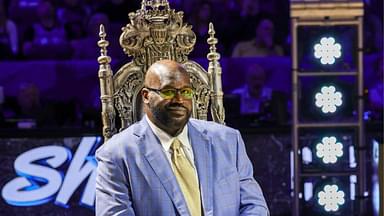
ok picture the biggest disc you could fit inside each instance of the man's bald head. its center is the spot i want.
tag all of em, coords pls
(163, 79)
(162, 71)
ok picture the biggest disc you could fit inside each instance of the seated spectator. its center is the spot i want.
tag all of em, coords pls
(91, 110)
(256, 98)
(236, 23)
(28, 99)
(243, 20)
(86, 48)
(27, 110)
(262, 44)
(200, 22)
(73, 16)
(117, 10)
(9, 43)
(375, 93)
(47, 38)
(373, 26)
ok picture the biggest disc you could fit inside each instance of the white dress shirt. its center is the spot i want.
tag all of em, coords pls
(166, 142)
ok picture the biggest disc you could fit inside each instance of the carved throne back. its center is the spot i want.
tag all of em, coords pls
(156, 32)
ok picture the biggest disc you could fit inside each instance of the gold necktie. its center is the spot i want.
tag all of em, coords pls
(186, 177)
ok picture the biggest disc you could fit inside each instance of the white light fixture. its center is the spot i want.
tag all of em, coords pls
(352, 186)
(352, 159)
(327, 50)
(306, 155)
(308, 190)
(329, 150)
(328, 99)
(331, 198)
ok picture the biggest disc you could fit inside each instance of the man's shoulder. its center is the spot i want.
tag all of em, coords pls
(212, 127)
(120, 140)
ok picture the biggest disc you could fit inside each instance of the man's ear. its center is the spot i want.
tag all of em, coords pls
(145, 95)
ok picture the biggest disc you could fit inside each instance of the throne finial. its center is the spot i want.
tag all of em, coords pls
(214, 71)
(154, 4)
(103, 44)
(212, 41)
(106, 87)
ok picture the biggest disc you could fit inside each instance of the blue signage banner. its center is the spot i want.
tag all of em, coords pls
(48, 176)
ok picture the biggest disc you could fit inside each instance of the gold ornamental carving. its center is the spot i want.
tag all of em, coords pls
(156, 32)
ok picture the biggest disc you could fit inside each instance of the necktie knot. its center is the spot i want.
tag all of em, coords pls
(176, 144)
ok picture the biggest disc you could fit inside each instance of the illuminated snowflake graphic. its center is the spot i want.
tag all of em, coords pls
(329, 150)
(328, 99)
(327, 50)
(331, 198)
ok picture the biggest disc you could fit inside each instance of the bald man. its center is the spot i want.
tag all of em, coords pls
(170, 164)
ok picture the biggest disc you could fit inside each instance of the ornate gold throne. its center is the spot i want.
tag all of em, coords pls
(156, 32)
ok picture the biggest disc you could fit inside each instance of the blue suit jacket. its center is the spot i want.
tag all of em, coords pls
(134, 176)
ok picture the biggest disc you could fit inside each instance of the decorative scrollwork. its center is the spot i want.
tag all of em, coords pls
(157, 32)
(201, 97)
(125, 96)
(200, 83)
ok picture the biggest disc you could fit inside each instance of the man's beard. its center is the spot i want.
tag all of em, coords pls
(166, 119)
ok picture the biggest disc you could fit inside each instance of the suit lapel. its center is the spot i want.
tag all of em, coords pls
(201, 145)
(151, 149)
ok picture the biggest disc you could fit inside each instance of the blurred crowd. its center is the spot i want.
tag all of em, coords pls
(29, 109)
(68, 29)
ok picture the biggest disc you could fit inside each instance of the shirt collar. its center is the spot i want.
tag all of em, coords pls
(166, 140)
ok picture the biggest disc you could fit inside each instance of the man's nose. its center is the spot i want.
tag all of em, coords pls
(178, 97)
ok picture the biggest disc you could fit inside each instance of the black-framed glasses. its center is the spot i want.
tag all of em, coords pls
(169, 93)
